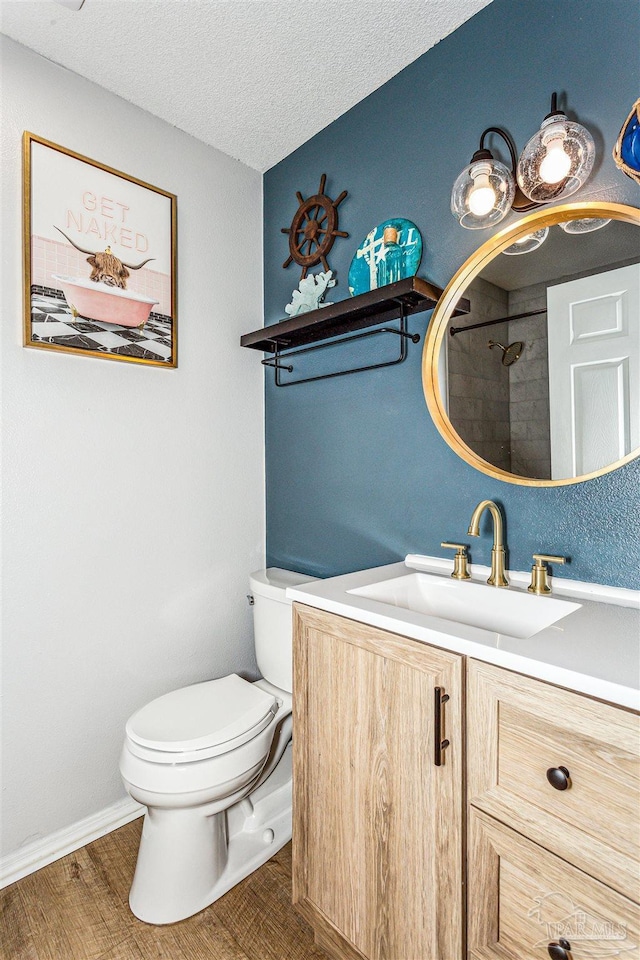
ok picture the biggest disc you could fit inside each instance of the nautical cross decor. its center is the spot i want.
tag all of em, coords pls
(389, 252)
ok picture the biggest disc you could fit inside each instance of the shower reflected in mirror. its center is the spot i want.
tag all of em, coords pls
(509, 354)
(564, 402)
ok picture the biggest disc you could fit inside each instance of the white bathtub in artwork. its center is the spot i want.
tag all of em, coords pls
(98, 301)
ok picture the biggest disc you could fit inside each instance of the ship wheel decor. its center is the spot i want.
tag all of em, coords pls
(313, 229)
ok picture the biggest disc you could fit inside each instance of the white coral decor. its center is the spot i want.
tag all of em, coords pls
(310, 293)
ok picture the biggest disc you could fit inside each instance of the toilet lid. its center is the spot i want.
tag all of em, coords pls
(203, 715)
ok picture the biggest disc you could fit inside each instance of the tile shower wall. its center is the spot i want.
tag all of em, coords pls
(529, 386)
(478, 380)
(357, 473)
(502, 412)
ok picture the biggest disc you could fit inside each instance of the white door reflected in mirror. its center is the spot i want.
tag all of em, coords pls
(594, 370)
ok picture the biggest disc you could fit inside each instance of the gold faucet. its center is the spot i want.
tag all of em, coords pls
(460, 567)
(497, 578)
(539, 582)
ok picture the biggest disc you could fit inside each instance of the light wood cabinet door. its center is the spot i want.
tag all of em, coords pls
(520, 729)
(377, 824)
(524, 900)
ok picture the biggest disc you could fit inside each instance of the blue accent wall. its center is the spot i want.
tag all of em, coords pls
(357, 473)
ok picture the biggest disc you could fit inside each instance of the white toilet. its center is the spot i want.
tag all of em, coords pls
(212, 764)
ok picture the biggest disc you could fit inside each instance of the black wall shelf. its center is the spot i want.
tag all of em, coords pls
(403, 298)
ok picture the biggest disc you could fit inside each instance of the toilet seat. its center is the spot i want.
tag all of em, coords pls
(200, 721)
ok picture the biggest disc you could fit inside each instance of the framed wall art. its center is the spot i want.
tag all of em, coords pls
(99, 259)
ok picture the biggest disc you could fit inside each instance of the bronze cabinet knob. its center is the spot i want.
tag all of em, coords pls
(559, 778)
(559, 950)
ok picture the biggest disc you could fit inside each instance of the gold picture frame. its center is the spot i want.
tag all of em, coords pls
(89, 233)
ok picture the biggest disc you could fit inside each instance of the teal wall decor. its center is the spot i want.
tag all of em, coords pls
(389, 252)
(357, 474)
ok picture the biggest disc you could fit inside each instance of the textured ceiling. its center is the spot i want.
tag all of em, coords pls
(254, 78)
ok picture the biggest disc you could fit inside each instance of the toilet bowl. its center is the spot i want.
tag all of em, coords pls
(212, 764)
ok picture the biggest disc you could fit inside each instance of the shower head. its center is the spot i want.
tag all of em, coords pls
(509, 354)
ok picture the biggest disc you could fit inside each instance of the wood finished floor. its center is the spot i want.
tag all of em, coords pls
(77, 909)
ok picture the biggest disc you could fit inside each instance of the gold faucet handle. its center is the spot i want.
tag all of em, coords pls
(547, 558)
(460, 568)
(539, 573)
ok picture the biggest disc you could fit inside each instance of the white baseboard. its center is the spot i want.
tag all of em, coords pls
(38, 854)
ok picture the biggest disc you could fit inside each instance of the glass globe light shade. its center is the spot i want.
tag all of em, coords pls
(483, 193)
(557, 160)
(584, 225)
(527, 244)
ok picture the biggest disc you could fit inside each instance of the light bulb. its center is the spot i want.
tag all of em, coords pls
(556, 163)
(482, 199)
(482, 196)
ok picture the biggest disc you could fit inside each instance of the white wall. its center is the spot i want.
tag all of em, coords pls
(132, 495)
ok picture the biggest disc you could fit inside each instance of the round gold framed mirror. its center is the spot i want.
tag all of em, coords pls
(538, 382)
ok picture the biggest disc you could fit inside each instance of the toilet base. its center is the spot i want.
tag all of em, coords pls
(188, 860)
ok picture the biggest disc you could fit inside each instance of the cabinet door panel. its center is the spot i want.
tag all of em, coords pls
(522, 898)
(377, 826)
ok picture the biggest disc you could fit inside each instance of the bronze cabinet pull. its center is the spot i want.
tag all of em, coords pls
(559, 778)
(439, 700)
(559, 950)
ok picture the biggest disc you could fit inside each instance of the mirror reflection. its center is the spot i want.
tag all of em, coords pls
(541, 379)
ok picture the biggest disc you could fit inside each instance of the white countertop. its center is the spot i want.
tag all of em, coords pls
(594, 650)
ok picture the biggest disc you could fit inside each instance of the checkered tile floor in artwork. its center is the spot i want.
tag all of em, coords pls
(52, 322)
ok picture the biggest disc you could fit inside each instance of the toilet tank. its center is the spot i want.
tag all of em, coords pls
(272, 622)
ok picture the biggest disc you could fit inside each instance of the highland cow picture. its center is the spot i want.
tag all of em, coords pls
(99, 259)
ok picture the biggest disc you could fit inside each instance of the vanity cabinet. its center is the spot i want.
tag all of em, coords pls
(546, 830)
(553, 785)
(377, 820)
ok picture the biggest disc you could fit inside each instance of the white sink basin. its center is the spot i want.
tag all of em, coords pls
(498, 609)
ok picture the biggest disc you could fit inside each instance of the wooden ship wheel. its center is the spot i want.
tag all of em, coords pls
(313, 229)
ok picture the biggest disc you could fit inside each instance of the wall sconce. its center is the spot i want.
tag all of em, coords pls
(583, 225)
(527, 244)
(485, 191)
(554, 164)
(557, 160)
(532, 241)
